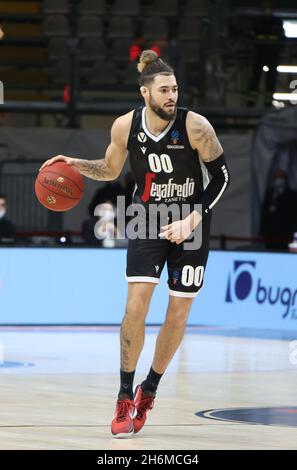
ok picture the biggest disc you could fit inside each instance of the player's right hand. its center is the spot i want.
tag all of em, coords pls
(58, 158)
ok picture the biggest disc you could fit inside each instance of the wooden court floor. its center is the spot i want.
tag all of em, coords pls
(222, 391)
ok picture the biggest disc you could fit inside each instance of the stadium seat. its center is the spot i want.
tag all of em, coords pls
(127, 7)
(156, 28)
(92, 49)
(189, 29)
(15, 9)
(103, 73)
(60, 72)
(55, 6)
(96, 7)
(195, 8)
(120, 27)
(190, 51)
(89, 26)
(58, 48)
(56, 25)
(131, 75)
(119, 51)
(164, 8)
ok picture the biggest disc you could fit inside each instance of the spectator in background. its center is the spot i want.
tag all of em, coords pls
(279, 215)
(7, 228)
(104, 200)
(105, 228)
(107, 193)
(275, 212)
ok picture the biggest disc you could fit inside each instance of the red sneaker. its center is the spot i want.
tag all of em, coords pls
(122, 423)
(144, 401)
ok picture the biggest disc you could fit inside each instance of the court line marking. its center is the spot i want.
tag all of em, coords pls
(207, 415)
(106, 425)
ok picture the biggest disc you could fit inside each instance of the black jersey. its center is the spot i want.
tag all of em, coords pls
(165, 167)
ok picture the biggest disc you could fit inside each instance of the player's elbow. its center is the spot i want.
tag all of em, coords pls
(110, 177)
(113, 175)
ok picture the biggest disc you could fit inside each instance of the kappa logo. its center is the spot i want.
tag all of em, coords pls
(141, 137)
(143, 149)
(157, 267)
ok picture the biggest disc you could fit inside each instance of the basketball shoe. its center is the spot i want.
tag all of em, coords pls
(122, 423)
(144, 401)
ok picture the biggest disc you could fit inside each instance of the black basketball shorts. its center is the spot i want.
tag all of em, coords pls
(146, 259)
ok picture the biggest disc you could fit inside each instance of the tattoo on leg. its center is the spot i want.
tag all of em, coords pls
(125, 346)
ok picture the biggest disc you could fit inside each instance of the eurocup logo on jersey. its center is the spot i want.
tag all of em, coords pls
(174, 137)
(240, 281)
(243, 284)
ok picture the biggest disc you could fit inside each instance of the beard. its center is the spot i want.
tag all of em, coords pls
(161, 112)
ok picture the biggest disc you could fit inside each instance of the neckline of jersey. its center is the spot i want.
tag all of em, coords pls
(156, 138)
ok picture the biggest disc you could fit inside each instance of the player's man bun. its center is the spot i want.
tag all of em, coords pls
(150, 65)
(147, 57)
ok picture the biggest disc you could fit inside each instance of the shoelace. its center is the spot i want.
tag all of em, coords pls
(144, 404)
(122, 410)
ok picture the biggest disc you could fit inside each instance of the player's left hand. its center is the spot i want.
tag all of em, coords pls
(177, 231)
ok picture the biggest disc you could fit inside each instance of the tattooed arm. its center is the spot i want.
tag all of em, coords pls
(202, 137)
(110, 167)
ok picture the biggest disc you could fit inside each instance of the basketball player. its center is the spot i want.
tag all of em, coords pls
(172, 153)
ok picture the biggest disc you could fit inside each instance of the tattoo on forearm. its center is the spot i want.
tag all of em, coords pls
(95, 169)
(207, 141)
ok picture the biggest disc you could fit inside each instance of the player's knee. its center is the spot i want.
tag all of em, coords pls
(136, 308)
(177, 316)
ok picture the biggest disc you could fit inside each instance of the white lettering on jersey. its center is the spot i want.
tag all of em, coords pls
(158, 163)
(170, 189)
(191, 275)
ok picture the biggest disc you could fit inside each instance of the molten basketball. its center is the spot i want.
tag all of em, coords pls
(59, 187)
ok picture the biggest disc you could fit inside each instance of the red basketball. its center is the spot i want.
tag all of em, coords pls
(59, 187)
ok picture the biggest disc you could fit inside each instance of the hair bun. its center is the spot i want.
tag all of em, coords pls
(146, 58)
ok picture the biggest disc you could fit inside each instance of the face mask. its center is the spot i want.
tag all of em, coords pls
(279, 183)
(2, 212)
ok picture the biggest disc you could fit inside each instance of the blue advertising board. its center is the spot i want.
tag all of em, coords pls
(88, 286)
